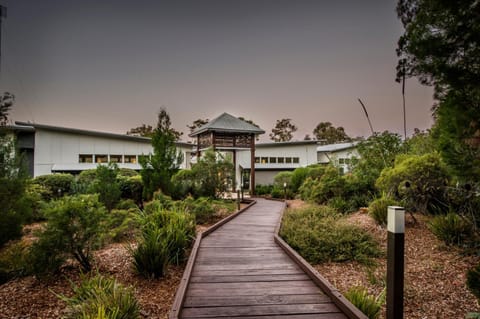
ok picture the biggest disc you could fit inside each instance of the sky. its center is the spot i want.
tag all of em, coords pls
(110, 65)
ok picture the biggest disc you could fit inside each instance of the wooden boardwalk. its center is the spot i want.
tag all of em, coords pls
(240, 272)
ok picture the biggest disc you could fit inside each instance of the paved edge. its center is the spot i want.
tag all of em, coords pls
(187, 274)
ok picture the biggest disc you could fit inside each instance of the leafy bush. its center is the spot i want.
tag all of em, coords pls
(128, 172)
(202, 208)
(278, 192)
(368, 304)
(298, 176)
(122, 223)
(183, 184)
(87, 176)
(263, 189)
(101, 297)
(106, 185)
(131, 188)
(473, 280)
(13, 261)
(452, 228)
(378, 208)
(74, 228)
(58, 185)
(339, 204)
(330, 184)
(419, 180)
(281, 179)
(164, 238)
(320, 235)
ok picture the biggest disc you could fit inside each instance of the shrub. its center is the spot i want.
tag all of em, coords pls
(122, 223)
(473, 280)
(451, 228)
(202, 208)
(74, 228)
(183, 184)
(298, 176)
(165, 236)
(107, 186)
(131, 188)
(418, 180)
(263, 189)
(378, 208)
(57, 184)
(128, 172)
(281, 178)
(320, 235)
(13, 261)
(339, 204)
(368, 304)
(278, 192)
(87, 176)
(101, 297)
(330, 184)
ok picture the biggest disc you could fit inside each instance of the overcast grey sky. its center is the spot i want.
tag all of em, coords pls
(110, 65)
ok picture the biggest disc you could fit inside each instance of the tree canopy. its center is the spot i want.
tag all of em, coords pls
(197, 124)
(158, 168)
(6, 102)
(148, 130)
(283, 131)
(326, 133)
(441, 46)
(142, 130)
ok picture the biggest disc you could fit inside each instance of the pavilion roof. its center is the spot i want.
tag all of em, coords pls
(227, 123)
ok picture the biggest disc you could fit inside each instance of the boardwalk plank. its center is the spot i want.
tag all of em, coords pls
(324, 308)
(240, 272)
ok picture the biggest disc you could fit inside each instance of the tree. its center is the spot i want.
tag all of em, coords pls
(158, 168)
(197, 124)
(143, 130)
(213, 174)
(6, 102)
(307, 137)
(14, 208)
(283, 131)
(441, 47)
(257, 136)
(326, 133)
(107, 186)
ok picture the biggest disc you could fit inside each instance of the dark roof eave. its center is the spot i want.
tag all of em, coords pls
(208, 129)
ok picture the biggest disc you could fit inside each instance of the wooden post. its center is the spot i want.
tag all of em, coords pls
(198, 148)
(235, 169)
(395, 261)
(252, 165)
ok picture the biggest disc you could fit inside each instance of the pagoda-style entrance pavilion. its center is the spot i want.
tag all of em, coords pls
(228, 133)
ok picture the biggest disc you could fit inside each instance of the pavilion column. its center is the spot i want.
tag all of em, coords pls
(234, 170)
(198, 148)
(252, 165)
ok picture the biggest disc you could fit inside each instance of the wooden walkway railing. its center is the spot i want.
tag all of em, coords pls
(241, 269)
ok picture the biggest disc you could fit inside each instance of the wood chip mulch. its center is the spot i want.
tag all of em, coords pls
(435, 274)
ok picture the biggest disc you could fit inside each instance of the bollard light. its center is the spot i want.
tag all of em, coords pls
(395, 261)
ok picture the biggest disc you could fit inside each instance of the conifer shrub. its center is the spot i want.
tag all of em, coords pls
(74, 228)
(101, 297)
(13, 261)
(320, 235)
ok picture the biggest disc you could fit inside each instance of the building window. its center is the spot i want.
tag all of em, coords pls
(288, 160)
(296, 160)
(101, 158)
(85, 158)
(257, 160)
(280, 160)
(130, 159)
(264, 160)
(273, 160)
(115, 158)
(341, 161)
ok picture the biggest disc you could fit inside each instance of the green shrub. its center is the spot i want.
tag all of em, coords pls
(339, 204)
(278, 192)
(101, 297)
(127, 172)
(418, 180)
(299, 175)
(74, 228)
(202, 208)
(87, 176)
(378, 209)
(122, 223)
(320, 235)
(164, 238)
(106, 185)
(473, 280)
(263, 189)
(58, 185)
(183, 184)
(131, 188)
(13, 261)
(330, 184)
(281, 179)
(451, 228)
(368, 304)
